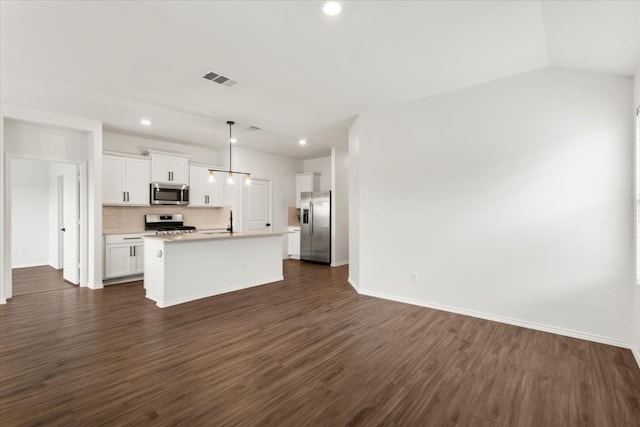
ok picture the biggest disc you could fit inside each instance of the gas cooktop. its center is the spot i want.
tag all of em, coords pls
(167, 224)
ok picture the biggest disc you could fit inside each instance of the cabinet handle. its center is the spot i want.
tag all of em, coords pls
(130, 250)
(124, 196)
(131, 238)
(127, 196)
(169, 176)
(134, 251)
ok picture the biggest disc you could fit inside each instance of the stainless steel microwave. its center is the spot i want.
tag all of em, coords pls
(169, 194)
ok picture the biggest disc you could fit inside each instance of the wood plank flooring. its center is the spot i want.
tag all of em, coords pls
(306, 351)
(33, 280)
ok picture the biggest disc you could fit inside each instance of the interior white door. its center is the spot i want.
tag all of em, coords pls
(71, 225)
(257, 210)
(60, 221)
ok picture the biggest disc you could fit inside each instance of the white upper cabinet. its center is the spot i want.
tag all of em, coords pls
(137, 181)
(125, 181)
(203, 193)
(169, 169)
(308, 181)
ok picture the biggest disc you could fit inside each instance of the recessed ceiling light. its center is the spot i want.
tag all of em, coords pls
(331, 8)
(233, 140)
(145, 122)
(302, 142)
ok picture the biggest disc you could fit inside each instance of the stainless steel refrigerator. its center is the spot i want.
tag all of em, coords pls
(315, 226)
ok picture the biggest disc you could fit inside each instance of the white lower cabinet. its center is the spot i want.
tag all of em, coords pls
(294, 242)
(123, 255)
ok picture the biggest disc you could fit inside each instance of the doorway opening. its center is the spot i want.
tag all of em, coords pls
(45, 226)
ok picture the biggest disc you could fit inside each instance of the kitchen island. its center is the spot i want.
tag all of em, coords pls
(186, 267)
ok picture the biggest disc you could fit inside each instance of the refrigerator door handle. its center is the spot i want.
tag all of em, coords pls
(311, 219)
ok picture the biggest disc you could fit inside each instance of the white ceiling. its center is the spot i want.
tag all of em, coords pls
(300, 73)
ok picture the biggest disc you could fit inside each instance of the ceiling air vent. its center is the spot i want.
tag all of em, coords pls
(253, 128)
(220, 79)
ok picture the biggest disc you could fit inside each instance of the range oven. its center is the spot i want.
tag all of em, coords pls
(168, 194)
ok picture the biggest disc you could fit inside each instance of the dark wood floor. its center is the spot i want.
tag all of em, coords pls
(304, 351)
(34, 280)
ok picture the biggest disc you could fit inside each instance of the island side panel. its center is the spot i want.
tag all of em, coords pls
(154, 269)
(202, 268)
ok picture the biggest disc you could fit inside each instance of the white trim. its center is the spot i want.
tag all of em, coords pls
(354, 285)
(151, 152)
(339, 263)
(636, 354)
(95, 286)
(164, 304)
(3, 301)
(502, 319)
(127, 155)
(29, 265)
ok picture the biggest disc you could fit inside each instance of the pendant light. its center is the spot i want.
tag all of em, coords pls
(230, 172)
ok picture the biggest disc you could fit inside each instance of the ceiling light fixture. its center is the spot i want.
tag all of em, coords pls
(230, 172)
(331, 8)
(145, 122)
(302, 142)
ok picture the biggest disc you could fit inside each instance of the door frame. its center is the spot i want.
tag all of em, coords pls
(245, 205)
(60, 220)
(81, 170)
(93, 191)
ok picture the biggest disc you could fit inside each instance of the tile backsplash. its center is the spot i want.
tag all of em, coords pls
(127, 219)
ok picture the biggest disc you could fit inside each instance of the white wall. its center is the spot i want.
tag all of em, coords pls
(43, 142)
(636, 290)
(339, 207)
(30, 213)
(511, 200)
(322, 165)
(354, 204)
(280, 170)
(137, 145)
(5, 259)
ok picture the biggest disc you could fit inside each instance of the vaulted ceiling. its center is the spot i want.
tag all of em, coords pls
(301, 74)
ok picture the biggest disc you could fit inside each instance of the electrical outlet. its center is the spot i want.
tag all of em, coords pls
(414, 276)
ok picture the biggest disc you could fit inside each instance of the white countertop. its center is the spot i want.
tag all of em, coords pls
(143, 232)
(188, 237)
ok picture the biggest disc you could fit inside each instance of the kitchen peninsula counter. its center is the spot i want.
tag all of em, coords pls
(186, 267)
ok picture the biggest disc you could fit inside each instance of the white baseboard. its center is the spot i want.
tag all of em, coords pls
(30, 265)
(164, 304)
(3, 301)
(502, 319)
(95, 285)
(119, 280)
(354, 285)
(339, 263)
(636, 354)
